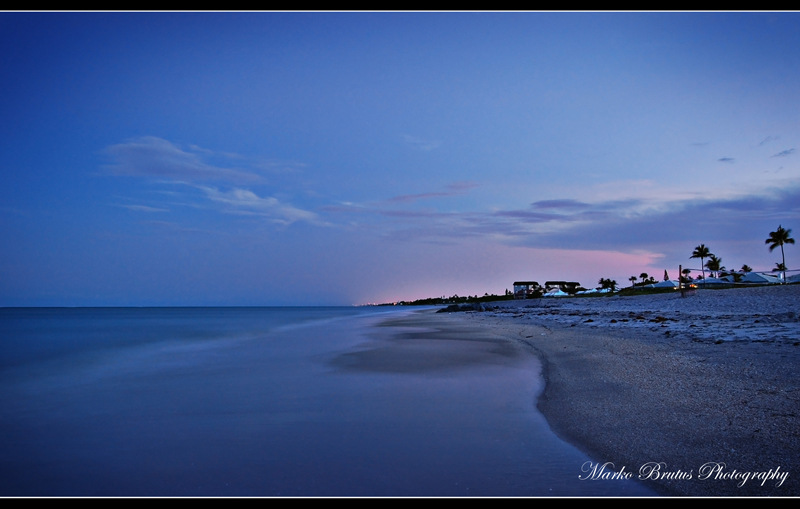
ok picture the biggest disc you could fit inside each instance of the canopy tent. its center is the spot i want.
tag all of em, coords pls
(759, 278)
(669, 283)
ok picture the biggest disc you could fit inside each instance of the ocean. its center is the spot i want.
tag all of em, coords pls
(271, 401)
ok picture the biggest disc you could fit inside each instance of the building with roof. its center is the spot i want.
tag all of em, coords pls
(527, 289)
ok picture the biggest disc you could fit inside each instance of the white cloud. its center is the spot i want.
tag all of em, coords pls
(157, 158)
(246, 201)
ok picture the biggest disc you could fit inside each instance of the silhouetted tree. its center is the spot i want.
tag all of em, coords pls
(714, 264)
(701, 252)
(608, 284)
(778, 238)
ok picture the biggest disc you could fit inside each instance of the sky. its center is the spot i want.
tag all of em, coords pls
(282, 159)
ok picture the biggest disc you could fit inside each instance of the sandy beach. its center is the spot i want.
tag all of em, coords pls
(709, 379)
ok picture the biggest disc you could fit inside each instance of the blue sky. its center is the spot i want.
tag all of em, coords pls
(346, 158)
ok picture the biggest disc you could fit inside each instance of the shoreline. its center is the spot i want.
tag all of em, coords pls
(449, 346)
(709, 386)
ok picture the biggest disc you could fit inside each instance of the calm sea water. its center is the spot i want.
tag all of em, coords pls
(267, 402)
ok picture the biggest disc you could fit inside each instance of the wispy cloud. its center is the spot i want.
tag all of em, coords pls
(628, 228)
(726, 159)
(783, 153)
(142, 208)
(769, 139)
(281, 167)
(609, 224)
(150, 156)
(559, 204)
(396, 208)
(454, 189)
(421, 143)
(248, 202)
(168, 164)
(529, 216)
(463, 185)
(410, 198)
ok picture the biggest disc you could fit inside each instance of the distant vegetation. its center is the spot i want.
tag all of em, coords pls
(778, 238)
(455, 299)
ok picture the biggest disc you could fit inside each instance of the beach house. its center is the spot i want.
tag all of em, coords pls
(527, 289)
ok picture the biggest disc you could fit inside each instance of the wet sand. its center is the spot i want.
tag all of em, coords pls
(646, 390)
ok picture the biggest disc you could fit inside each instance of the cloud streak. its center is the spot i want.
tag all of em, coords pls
(609, 225)
(559, 204)
(150, 156)
(143, 208)
(454, 189)
(247, 202)
(166, 163)
(784, 153)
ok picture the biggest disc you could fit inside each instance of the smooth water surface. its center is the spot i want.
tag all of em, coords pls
(270, 401)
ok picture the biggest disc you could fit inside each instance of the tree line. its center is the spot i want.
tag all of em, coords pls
(778, 238)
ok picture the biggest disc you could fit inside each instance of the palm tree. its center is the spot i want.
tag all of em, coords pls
(643, 276)
(632, 279)
(701, 252)
(746, 268)
(714, 264)
(778, 238)
(608, 283)
(779, 267)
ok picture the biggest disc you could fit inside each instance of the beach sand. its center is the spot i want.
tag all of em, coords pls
(709, 378)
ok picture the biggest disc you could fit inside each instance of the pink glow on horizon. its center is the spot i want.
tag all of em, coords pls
(493, 268)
